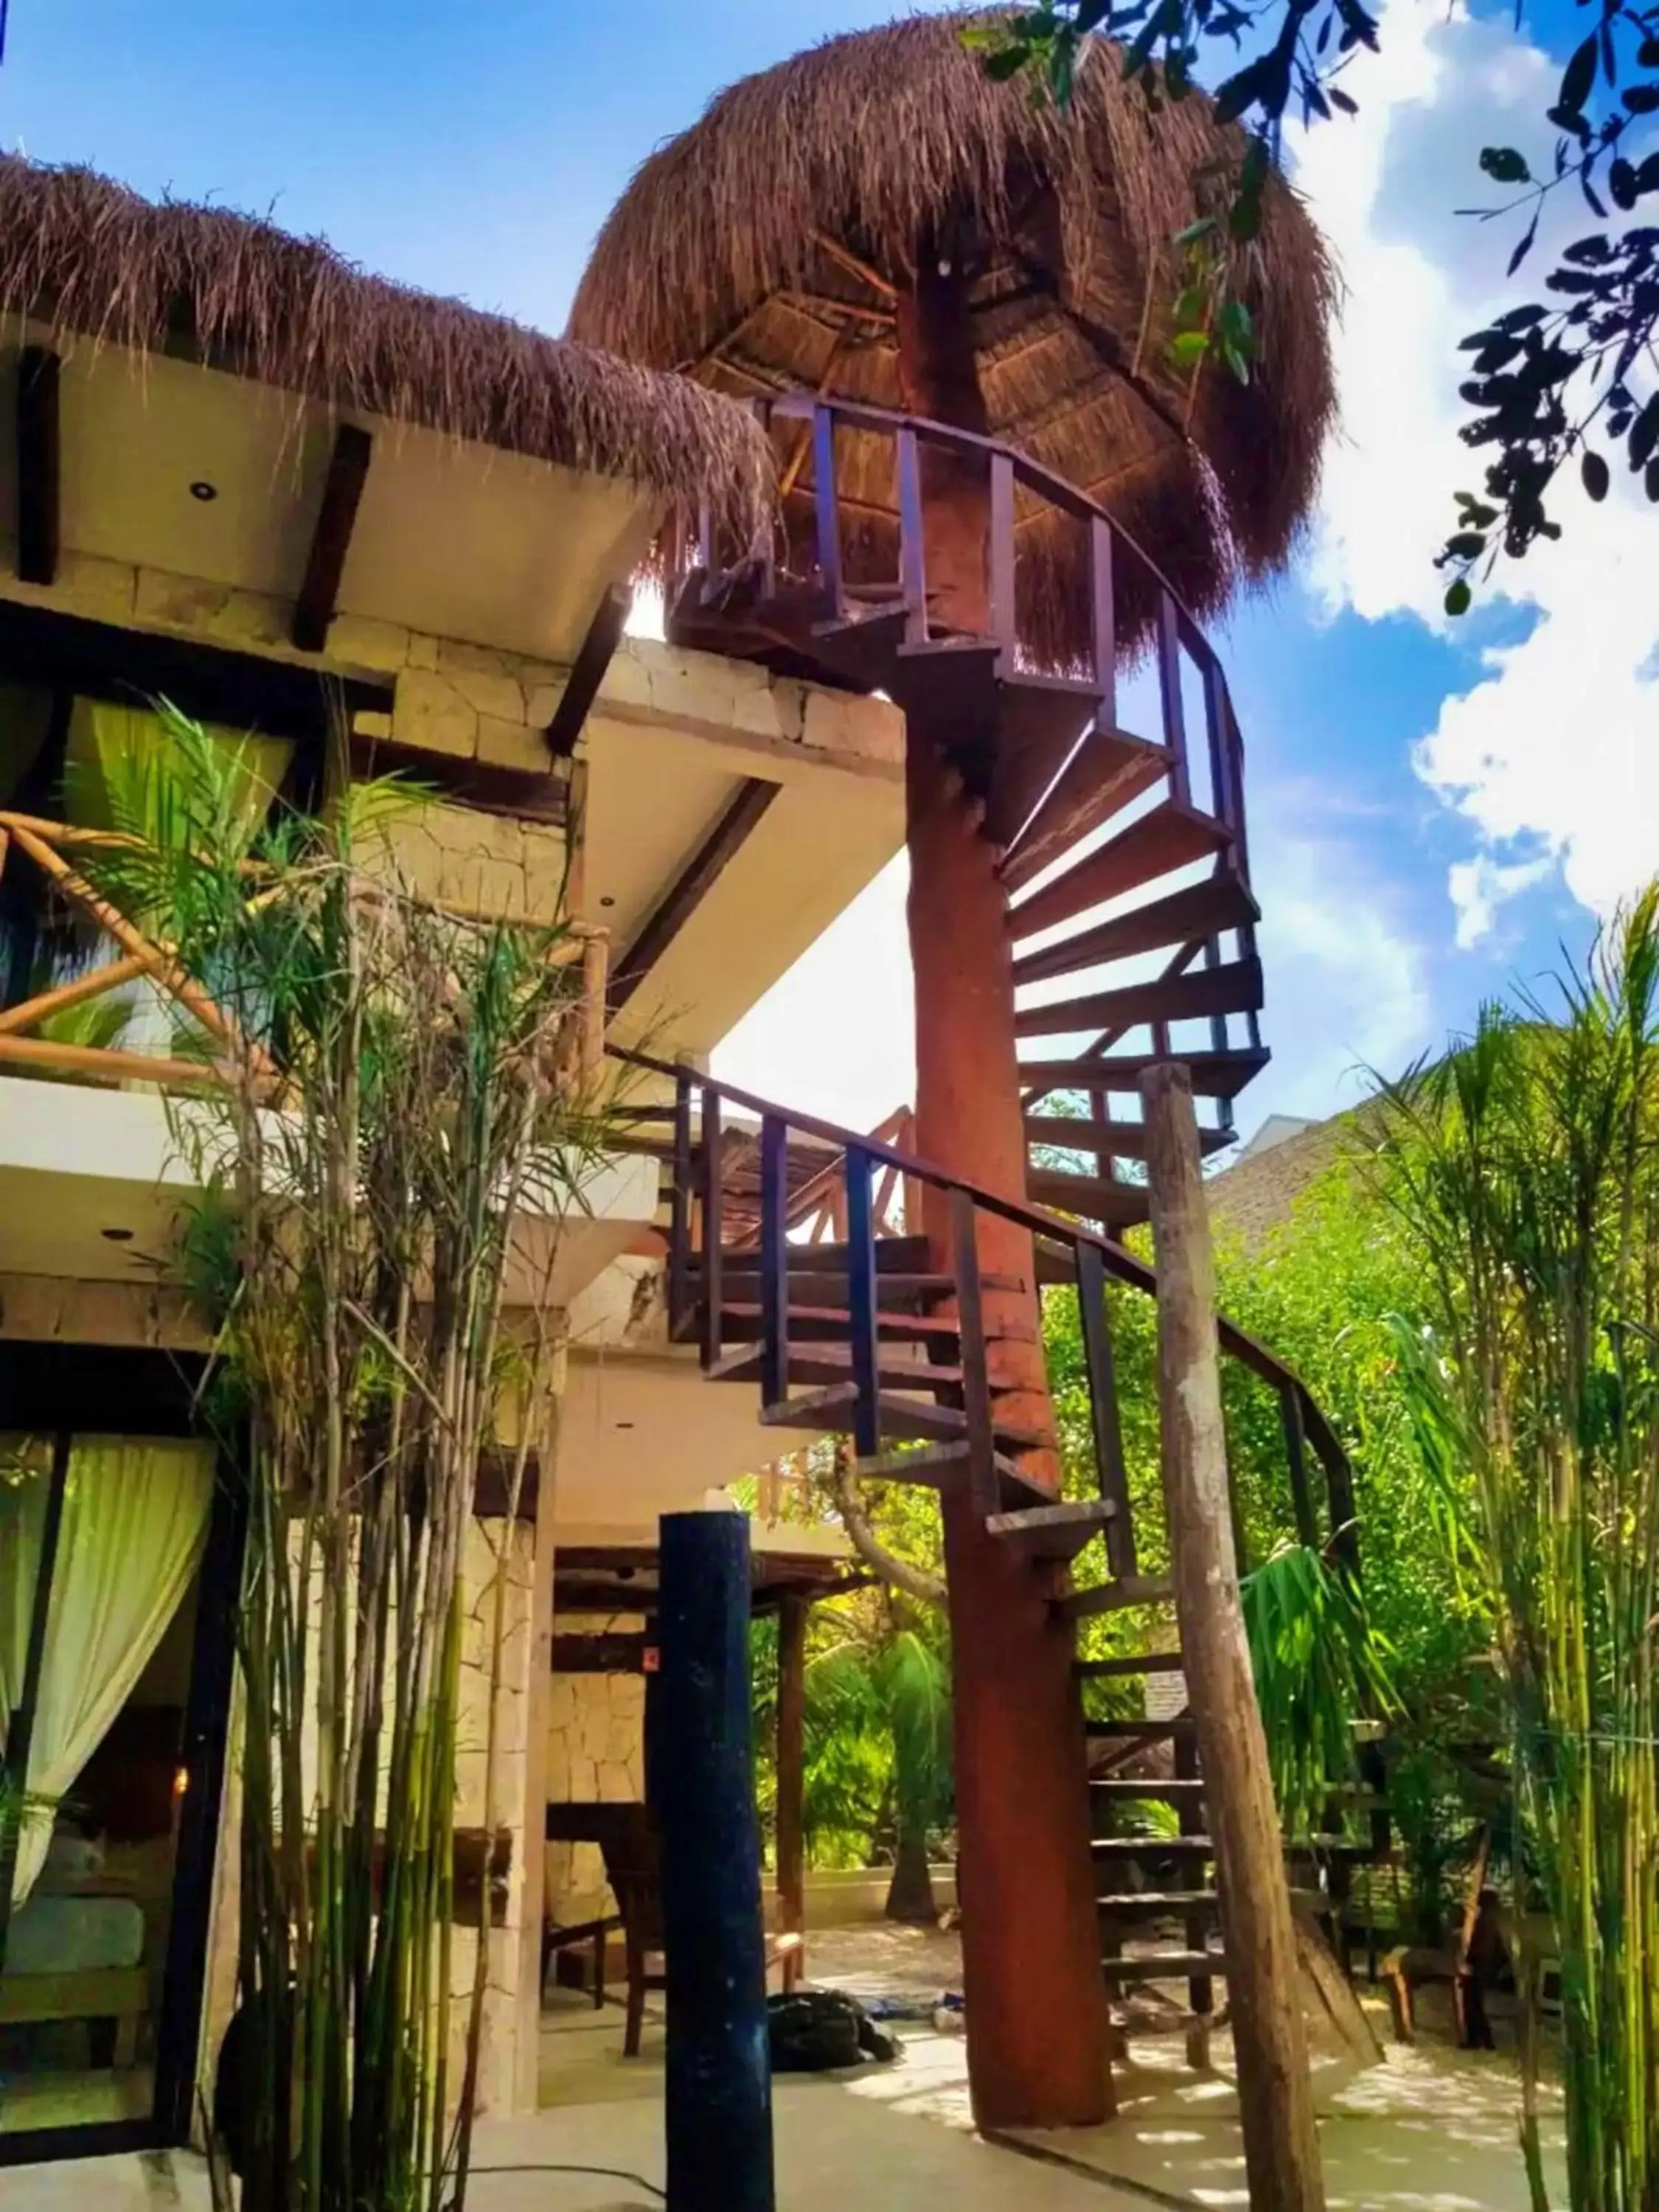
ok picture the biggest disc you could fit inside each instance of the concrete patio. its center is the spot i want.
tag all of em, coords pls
(1429, 2130)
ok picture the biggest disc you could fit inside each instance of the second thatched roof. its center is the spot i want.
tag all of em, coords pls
(83, 254)
(761, 250)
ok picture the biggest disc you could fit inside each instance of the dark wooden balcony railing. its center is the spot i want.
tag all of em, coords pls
(701, 1255)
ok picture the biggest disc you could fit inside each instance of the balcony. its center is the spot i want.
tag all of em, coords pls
(103, 1044)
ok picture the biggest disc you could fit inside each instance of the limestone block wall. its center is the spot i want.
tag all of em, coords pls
(595, 1753)
(496, 1553)
(453, 700)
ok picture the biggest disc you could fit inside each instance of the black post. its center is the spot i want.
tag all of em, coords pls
(719, 2087)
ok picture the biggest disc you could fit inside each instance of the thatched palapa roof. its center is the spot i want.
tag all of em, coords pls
(86, 255)
(761, 250)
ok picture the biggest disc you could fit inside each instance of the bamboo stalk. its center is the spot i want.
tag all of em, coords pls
(110, 1064)
(94, 985)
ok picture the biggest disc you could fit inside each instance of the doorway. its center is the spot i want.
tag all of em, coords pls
(119, 1553)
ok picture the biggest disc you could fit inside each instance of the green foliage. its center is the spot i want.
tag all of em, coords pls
(1322, 1290)
(396, 1120)
(1551, 376)
(1524, 1168)
(1318, 1666)
(877, 1766)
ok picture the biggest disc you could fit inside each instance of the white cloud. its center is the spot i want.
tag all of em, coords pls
(1347, 976)
(1555, 746)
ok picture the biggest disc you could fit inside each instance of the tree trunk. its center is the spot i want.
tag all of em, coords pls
(911, 1892)
(1035, 2000)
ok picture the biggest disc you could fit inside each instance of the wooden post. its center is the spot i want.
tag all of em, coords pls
(791, 1765)
(1275, 2094)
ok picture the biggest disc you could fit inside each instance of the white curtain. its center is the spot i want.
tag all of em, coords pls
(135, 1522)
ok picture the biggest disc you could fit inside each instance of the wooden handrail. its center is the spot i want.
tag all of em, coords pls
(1008, 467)
(1114, 1259)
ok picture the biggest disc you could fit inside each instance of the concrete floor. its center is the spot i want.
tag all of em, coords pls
(1431, 2129)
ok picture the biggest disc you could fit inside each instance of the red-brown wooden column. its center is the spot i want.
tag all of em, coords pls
(1036, 2000)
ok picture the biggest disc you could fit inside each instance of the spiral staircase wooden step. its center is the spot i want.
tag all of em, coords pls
(1115, 1596)
(1201, 911)
(1233, 987)
(1058, 1531)
(904, 1419)
(1170, 836)
(1154, 1903)
(1107, 1139)
(1146, 1789)
(1041, 721)
(830, 1363)
(1214, 1074)
(1166, 1966)
(1108, 768)
(1109, 1203)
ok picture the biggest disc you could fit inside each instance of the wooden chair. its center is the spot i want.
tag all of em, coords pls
(565, 1935)
(633, 1868)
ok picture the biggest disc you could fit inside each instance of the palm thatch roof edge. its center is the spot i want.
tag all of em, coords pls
(83, 253)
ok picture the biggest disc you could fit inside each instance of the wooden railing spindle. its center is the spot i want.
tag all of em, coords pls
(1001, 551)
(775, 1260)
(1296, 1454)
(983, 1490)
(1102, 615)
(913, 548)
(1112, 1474)
(1174, 707)
(713, 1192)
(861, 1304)
(828, 507)
(679, 1209)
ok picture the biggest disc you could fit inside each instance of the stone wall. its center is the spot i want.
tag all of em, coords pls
(595, 1753)
(494, 1551)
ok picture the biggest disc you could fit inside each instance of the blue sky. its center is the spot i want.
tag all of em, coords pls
(1432, 811)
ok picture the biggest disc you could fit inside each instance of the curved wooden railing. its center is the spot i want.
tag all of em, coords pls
(1118, 569)
(1066, 1252)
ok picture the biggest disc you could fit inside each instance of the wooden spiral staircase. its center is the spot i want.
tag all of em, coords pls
(1123, 852)
(1124, 860)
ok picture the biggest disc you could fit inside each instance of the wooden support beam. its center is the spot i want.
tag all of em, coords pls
(331, 540)
(587, 671)
(528, 794)
(791, 1845)
(38, 449)
(856, 265)
(611, 1653)
(737, 824)
(1281, 2148)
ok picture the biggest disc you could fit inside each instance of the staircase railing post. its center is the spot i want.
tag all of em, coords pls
(775, 1260)
(1002, 587)
(1103, 613)
(1296, 1453)
(1281, 2146)
(679, 1207)
(1099, 1369)
(714, 1194)
(1173, 706)
(861, 1304)
(827, 510)
(982, 1488)
(913, 549)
